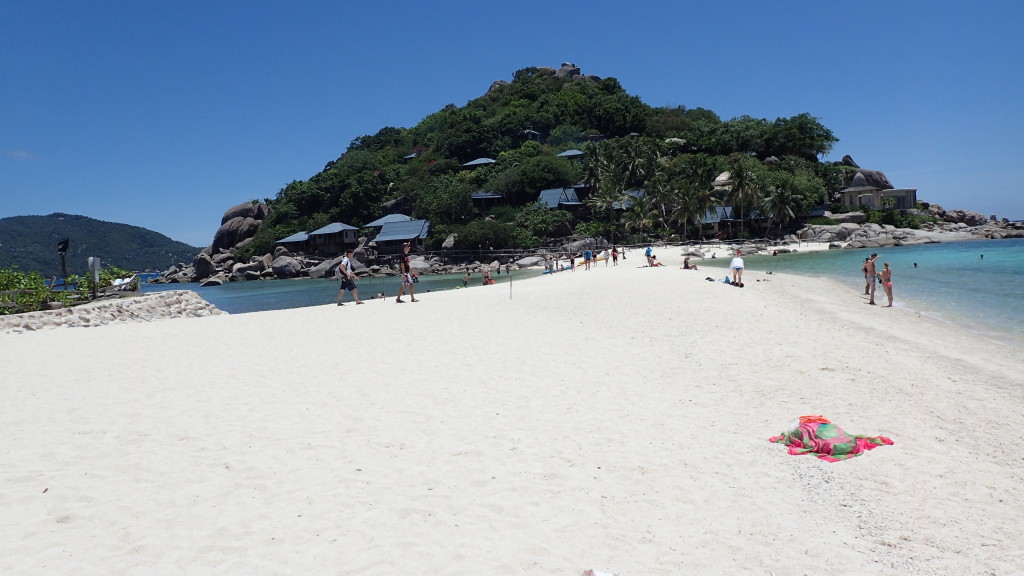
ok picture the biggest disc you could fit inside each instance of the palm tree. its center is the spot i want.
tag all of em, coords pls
(691, 202)
(780, 205)
(596, 165)
(744, 190)
(641, 214)
(637, 160)
(605, 201)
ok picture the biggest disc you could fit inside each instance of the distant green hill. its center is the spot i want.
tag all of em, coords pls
(30, 244)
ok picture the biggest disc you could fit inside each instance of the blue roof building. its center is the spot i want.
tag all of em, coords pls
(393, 234)
(333, 238)
(385, 219)
(559, 198)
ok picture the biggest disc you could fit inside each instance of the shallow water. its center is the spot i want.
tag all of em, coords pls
(976, 283)
(257, 296)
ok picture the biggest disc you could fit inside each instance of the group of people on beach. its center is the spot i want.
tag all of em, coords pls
(348, 278)
(590, 257)
(872, 276)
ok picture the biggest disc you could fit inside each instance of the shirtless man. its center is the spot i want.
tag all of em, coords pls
(869, 275)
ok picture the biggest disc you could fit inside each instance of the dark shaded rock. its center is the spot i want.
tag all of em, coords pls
(281, 251)
(254, 210)
(234, 231)
(223, 258)
(568, 69)
(249, 271)
(872, 178)
(217, 280)
(497, 84)
(204, 266)
(848, 161)
(286, 267)
(326, 268)
(770, 161)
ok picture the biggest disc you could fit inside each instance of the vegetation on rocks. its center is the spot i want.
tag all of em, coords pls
(674, 153)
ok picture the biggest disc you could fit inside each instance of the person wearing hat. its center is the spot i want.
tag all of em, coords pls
(406, 272)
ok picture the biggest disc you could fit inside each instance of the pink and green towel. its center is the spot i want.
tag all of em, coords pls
(826, 440)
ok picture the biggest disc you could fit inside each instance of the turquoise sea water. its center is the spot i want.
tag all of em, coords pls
(951, 282)
(256, 296)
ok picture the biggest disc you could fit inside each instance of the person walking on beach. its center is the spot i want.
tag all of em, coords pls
(648, 253)
(348, 279)
(405, 270)
(887, 282)
(587, 255)
(737, 269)
(868, 279)
(615, 256)
(871, 273)
(465, 280)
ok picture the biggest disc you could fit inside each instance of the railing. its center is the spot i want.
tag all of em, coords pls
(9, 302)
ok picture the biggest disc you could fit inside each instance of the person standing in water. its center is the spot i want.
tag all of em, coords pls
(871, 273)
(887, 282)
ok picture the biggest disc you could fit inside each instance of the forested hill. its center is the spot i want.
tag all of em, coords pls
(30, 244)
(521, 127)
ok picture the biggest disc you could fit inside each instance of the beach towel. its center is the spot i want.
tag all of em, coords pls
(815, 434)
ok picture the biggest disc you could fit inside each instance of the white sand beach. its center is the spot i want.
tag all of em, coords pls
(545, 428)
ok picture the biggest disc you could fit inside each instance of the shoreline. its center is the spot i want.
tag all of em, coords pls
(555, 427)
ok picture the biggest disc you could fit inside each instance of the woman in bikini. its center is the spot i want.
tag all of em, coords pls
(887, 282)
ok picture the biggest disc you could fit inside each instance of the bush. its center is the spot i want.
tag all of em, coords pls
(32, 282)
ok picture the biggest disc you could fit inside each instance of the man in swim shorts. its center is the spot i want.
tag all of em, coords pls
(871, 272)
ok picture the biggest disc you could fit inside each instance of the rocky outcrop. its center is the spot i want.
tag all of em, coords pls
(238, 226)
(848, 161)
(286, 267)
(235, 231)
(872, 178)
(253, 210)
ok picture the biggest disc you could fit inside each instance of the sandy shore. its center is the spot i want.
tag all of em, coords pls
(544, 428)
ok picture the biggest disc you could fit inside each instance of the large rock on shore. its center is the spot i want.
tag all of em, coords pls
(286, 267)
(254, 210)
(235, 231)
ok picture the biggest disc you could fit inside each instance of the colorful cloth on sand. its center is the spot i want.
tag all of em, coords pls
(826, 440)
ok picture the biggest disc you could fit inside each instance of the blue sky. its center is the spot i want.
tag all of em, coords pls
(166, 114)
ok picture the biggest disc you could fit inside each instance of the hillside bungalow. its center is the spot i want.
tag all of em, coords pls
(564, 198)
(878, 199)
(333, 238)
(712, 219)
(298, 242)
(571, 154)
(385, 219)
(486, 198)
(479, 162)
(393, 234)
